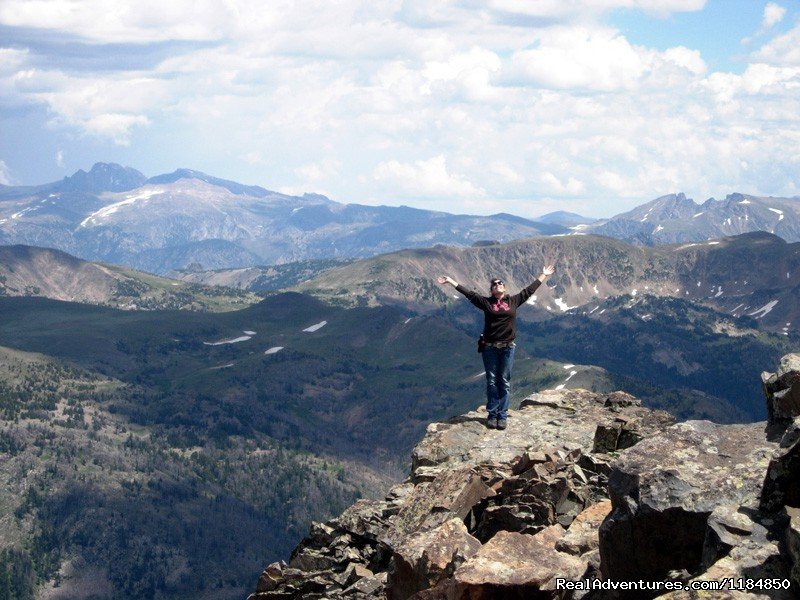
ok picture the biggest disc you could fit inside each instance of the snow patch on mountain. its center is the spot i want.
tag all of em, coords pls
(106, 211)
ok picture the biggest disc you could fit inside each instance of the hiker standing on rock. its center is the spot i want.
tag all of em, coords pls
(497, 340)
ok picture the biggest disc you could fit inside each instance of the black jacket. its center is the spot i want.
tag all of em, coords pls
(500, 316)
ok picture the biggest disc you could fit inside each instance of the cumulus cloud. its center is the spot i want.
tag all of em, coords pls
(773, 14)
(425, 179)
(319, 171)
(783, 50)
(579, 57)
(126, 21)
(106, 106)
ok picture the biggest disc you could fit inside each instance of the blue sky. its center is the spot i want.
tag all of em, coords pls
(472, 106)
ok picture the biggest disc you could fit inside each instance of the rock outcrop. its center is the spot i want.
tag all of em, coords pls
(582, 491)
(782, 389)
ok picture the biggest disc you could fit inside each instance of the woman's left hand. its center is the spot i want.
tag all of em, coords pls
(548, 270)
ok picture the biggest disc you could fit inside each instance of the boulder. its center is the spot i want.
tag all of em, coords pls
(751, 553)
(363, 519)
(782, 389)
(271, 577)
(782, 482)
(366, 588)
(582, 535)
(664, 489)
(424, 559)
(516, 565)
(793, 544)
(450, 494)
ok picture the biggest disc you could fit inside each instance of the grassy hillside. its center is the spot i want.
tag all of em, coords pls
(49, 273)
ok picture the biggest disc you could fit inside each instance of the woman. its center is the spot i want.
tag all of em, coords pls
(499, 331)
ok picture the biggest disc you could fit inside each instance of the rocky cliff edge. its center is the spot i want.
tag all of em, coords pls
(583, 493)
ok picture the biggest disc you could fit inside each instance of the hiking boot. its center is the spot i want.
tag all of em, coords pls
(491, 423)
(501, 423)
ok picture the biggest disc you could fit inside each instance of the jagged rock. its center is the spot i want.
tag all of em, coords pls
(397, 497)
(782, 389)
(549, 487)
(271, 577)
(582, 537)
(793, 543)
(364, 519)
(353, 573)
(790, 433)
(367, 587)
(560, 419)
(746, 542)
(664, 489)
(515, 565)
(423, 559)
(619, 434)
(782, 483)
(313, 560)
(451, 494)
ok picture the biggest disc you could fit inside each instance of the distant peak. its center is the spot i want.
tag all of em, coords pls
(736, 197)
(103, 177)
(231, 186)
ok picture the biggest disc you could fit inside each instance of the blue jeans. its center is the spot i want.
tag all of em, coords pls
(498, 363)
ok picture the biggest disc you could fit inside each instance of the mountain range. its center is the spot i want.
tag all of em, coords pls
(172, 221)
(188, 219)
(755, 274)
(675, 219)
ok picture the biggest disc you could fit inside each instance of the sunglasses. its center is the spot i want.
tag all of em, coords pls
(497, 283)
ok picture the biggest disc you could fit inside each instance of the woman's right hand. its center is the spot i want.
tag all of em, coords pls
(445, 279)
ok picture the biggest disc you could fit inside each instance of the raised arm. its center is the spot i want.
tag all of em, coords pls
(473, 297)
(528, 291)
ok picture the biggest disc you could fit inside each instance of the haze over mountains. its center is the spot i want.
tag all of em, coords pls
(186, 217)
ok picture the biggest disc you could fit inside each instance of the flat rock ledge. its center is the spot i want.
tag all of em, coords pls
(582, 487)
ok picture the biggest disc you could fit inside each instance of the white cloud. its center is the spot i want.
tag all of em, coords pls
(319, 171)
(579, 57)
(561, 9)
(108, 107)
(686, 58)
(115, 126)
(123, 21)
(5, 174)
(773, 14)
(425, 179)
(783, 50)
(506, 172)
(60, 158)
(12, 59)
